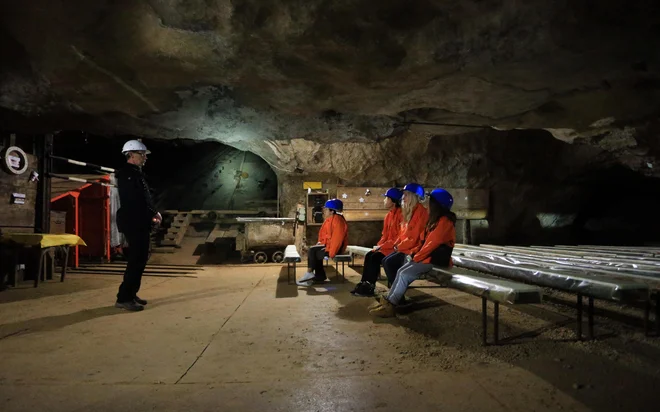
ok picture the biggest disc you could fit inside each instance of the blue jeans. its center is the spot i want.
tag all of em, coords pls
(408, 273)
(391, 264)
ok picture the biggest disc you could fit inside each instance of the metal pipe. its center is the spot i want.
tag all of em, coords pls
(79, 163)
(77, 179)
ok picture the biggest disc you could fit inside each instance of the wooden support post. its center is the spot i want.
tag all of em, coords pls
(42, 215)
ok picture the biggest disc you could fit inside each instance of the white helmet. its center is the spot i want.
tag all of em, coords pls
(134, 146)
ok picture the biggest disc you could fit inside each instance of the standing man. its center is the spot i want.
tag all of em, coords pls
(135, 216)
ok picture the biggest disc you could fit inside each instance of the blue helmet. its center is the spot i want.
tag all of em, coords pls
(334, 204)
(443, 197)
(394, 194)
(415, 188)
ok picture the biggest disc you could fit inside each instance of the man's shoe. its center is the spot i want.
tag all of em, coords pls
(306, 283)
(130, 306)
(140, 301)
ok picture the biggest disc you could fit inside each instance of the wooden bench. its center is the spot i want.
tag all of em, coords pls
(613, 288)
(291, 256)
(487, 287)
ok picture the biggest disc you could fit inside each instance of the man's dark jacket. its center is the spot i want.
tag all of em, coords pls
(136, 209)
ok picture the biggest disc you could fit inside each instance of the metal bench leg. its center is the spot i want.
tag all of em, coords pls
(288, 273)
(336, 271)
(591, 318)
(496, 325)
(579, 316)
(343, 275)
(647, 314)
(42, 268)
(484, 321)
(657, 314)
(65, 262)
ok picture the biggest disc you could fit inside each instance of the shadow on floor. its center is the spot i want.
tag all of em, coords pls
(26, 290)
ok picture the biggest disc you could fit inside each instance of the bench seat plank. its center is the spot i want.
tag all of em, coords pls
(358, 250)
(490, 287)
(291, 254)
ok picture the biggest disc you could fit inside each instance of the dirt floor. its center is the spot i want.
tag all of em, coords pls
(237, 338)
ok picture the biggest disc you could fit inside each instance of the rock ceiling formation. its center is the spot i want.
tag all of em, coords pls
(262, 75)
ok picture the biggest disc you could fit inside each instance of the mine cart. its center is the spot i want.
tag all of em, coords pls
(263, 239)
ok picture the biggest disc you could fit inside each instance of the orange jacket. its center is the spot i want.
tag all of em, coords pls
(438, 244)
(334, 235)
(410, 237)
(391, 228)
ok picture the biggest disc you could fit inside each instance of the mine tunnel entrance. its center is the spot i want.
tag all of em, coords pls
(200, 187)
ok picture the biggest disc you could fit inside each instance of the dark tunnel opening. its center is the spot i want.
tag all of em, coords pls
(183, 174)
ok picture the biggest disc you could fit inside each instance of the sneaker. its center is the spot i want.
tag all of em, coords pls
(366, 289)
(307, 276)
(140, 301)
(386, 310)
(130, 306)
(305, 284)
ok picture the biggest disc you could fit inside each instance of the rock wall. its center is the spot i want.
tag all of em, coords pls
(542, 190)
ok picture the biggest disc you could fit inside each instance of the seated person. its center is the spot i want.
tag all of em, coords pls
(385, 246)
(333, 239)
(410, 237)
(439, 240)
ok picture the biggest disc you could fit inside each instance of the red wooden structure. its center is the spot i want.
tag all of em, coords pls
(87, 208)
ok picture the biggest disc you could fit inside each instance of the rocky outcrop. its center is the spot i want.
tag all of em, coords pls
(248, 71)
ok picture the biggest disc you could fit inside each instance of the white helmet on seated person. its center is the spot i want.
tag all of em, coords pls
(134, 146)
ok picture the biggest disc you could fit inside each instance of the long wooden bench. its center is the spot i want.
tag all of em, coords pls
(291, 257)
(620, 289)
(488, 288)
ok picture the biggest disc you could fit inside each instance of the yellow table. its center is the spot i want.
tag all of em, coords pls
(44, 242)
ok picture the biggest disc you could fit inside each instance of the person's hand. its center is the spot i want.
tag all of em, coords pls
(157, 218)
(376, 248)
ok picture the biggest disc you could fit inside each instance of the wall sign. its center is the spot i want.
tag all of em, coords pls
(14, 160)
(18, 198)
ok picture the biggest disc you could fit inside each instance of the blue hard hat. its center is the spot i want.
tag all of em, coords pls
(334, 204)
(443, 197)
(394, 193)
(415, 188)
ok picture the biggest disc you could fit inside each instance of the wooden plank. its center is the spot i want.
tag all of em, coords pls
(364, 215)
(363, 206)
(17, 214)
(470, 199)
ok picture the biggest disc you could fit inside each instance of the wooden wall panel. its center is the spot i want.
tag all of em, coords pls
(13, 215)
(468, 203)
